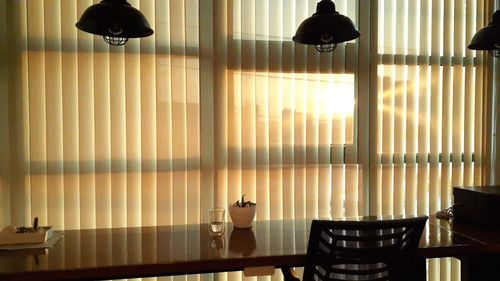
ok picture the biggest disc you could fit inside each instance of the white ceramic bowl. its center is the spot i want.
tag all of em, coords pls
(242, 217)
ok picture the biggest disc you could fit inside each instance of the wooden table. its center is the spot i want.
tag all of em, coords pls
(482, 262)
(173, 250)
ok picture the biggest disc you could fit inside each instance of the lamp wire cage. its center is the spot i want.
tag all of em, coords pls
(325, 48)
(495, 52)
(115, 41)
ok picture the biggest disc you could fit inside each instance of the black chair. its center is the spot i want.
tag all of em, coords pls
(362, 250)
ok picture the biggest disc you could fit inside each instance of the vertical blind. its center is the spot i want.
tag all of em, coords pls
(429, 108)
(429, 103)
(220, 102)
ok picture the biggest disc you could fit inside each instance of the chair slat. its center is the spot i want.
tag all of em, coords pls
(365, 237)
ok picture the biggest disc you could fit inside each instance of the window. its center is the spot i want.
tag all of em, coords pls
(428, 103)
(221, 102)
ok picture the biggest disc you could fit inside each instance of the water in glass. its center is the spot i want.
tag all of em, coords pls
(216, 221)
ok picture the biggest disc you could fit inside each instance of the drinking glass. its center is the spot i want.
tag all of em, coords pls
(216, 221)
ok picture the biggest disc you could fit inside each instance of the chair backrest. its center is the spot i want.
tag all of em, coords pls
(363, 250)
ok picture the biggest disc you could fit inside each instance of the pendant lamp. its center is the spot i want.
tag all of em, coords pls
(488, 38)
(326, 28)
(115, 20)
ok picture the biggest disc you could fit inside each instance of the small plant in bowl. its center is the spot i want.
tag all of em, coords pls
(242, 213)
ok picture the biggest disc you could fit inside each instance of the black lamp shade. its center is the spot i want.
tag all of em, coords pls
(114, 18)
(487, 38)
(312, 31)
(326, 26)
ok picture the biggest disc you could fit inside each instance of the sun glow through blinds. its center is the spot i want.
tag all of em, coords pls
(429, 103)
(429, 114)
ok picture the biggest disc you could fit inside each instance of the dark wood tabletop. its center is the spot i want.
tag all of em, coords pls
(487, 236)
(189, 249)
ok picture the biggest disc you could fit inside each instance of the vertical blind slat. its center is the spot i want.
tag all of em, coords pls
(53, 89)
(102, 90)
(118, 139)
(262, 107)
(69, 76)
(148, 121)
(37, 114)
(276, 84)
(179, 113)
(86, 132)
(193, 114)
